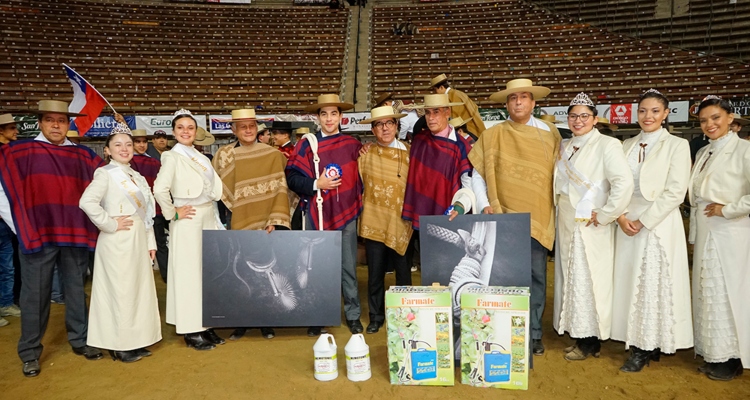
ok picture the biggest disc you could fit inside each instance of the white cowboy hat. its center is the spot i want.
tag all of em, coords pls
(385, 112)
(437, 101)
(520, 85)
(329, 100)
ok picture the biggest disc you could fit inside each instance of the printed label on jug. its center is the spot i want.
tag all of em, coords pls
(358, 364)
(325, 365)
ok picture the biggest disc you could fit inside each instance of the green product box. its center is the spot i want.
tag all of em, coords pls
(494, 337)
(419, 322)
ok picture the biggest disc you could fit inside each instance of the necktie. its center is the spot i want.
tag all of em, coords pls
(642, 153)
(706, 162)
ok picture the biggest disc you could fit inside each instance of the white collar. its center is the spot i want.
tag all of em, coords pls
(41, 138)
(719, 143)
(395, 144)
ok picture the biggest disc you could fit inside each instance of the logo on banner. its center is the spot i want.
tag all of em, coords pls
(620, 113)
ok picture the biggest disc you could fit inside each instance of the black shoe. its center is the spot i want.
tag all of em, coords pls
(31, 368)
(212, 337)
(143, 352)
(125, 356)
(238, 334)
(727, 370)
(639, 359)
(314, 331)
(707, 367)
(374, 326)
(198, 342)
(91, 353)
(537, 347)
(355, 326)
(267, 333)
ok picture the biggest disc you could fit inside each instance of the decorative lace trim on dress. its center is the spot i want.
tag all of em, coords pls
(715, 332)
(579, 316)
(652, 320)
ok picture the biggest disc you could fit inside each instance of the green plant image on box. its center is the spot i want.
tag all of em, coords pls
(476, 327)
(443, 340)
(518, 344)
(402, 327)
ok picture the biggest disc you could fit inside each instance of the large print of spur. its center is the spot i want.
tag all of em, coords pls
(305, 260)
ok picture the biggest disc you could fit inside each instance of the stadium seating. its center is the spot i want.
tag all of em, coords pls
(150, 57)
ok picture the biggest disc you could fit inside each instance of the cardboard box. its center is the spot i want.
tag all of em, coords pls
(419, 323)
(495, 337)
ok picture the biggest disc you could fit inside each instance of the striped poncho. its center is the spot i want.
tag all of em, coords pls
(43, 183)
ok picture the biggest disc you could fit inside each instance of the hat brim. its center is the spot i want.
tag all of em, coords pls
(611, 127)
(316, 107)
(424, 106)
(539, 92)
(243, 119)
(741, 121)
(371, 120)
(69, 114)
(207, 141)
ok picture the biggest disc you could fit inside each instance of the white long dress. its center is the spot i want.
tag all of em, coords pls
(124, 312)
(721, 256)
(584, 260)
(185, 278)
(651, 307)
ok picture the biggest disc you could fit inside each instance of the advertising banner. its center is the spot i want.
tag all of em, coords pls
(349, 121)
(103, 125)
(162, 123)
(28, 125)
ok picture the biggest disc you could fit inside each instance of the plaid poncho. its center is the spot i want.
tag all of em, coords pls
(148, 167)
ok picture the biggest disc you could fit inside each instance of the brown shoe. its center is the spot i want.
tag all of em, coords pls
(577, 354)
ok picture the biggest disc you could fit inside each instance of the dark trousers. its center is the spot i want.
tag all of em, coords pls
(36, 277)
(162, 250)
(379, 258)
(538, 287)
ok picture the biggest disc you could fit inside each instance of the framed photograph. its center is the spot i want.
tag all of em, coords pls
(282, 279)
(474, 251)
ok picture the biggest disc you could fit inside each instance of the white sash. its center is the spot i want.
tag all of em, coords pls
(132, 192)
(203, 167)
(592, 194)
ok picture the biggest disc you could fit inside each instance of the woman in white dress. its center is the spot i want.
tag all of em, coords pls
(651, 308)
(124, 315)
(593, 185)
(720, 230)
(187, 188)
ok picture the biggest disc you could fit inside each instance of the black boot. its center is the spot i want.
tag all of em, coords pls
(727, 370)
(639, 359)
(212, 337)
(238, 334)
(198, 342)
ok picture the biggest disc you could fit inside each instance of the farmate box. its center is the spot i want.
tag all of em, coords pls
(494, 337)
(420, 344)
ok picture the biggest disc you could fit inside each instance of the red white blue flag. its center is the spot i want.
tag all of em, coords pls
(86, 100)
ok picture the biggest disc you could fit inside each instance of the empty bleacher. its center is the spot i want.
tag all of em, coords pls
(483, 45)
(150, 57)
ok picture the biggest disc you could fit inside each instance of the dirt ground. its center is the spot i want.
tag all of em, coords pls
(254, 367)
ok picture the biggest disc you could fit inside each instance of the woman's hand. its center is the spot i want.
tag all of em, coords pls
(152, 254)
(270, 228)
(487, 210)
(714, 210)
(593, 220)
(629, 227)
(123, 223)
(185, 212)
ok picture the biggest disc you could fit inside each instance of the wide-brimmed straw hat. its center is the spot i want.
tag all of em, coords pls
(605, 122)
(138, 133)
(72, 134)
(457, 122)
(382, 98)
(329, 100)
(203, 137)
(440, 78)
(737, 119)
(245, 114)
(302, 130)
(385, 112)
(437, 101)
(549, 118)
(517, 86)
(262, 128)
(56, 107)
(6, 119)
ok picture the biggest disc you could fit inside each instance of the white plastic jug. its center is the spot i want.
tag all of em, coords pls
(357, 359)
(326, 364)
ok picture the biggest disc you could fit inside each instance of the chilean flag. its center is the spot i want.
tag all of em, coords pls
(86, 100)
